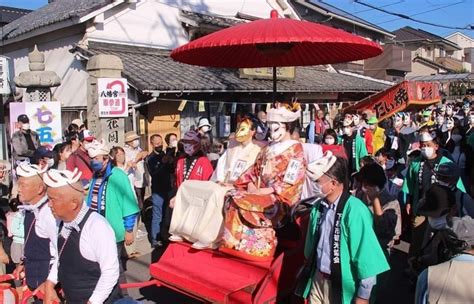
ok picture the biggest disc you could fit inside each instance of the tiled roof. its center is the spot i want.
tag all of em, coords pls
(53, 12)
(213, 20)
(8, 14)
(153, 70)
(408, 33)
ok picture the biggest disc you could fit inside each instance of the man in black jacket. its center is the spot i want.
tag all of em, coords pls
(160, 168)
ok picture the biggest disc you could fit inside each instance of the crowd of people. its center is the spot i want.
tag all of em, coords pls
(73, 212)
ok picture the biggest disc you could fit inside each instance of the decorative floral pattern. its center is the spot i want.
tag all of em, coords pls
(250, 218)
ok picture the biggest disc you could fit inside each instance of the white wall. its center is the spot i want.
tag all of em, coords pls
(156, 23)
(463, 42)
(72, 91)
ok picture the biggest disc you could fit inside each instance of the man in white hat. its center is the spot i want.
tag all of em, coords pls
(342, 251)
(88, 266)
(420, 176)
(40, 246)
(134, 158)
(204, 126)
(111, 195)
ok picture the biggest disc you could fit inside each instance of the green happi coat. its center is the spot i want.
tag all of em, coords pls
(360, 149)
(361, 254)
(411, 184)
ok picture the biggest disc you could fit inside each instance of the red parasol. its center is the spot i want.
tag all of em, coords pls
(275, 42)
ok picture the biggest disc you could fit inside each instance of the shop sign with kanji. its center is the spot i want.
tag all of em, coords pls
(113, 98)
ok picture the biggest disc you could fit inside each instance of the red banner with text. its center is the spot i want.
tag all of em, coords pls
(399, 97)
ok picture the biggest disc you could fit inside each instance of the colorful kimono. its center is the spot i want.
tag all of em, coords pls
(361, 256)
(250, 218)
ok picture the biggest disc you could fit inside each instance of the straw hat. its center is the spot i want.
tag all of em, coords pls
(131, 136)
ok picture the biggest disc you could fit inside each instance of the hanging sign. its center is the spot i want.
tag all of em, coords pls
(286, 73)
(234, 108)
(45, 119)
(4, 75)
(113, 131)
(202, 107)
(113, 97)
(182, 105)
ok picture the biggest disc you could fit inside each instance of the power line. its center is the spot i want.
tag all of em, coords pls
(402, 16)
(369, 9)
(421, 13)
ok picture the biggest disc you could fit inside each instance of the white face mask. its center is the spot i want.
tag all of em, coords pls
(205, 129)
(318, 190)
(347, 131)
(189, 149)
(329, 141)
(50, 162)
(427, 152)
(440, 120)
(438, 223)
(277, 131)
(25, 127)
(398, 122)
(135, 143)
(356, 120)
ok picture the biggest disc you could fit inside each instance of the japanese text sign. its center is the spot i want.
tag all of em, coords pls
(399, 97)
(113, 131)
(113, 98)
(45, 119)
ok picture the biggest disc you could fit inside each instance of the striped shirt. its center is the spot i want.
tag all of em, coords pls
(95, 195)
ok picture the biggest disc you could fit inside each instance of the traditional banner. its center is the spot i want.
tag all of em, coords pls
(399, 97)
(45, 119)
(113, 97)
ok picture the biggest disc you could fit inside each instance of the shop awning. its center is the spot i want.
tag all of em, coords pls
(402, 96)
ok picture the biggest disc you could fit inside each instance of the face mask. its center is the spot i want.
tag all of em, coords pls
(135, 143)
(347, 131)
(440, 121)
(159, 148)
(406, 121)
(356, 120)
(96, 165)
(206, 129)
(25, 127)
(390, 163)
(438, 223)
(243, 133)
(277, 131)
(329, 141)
(456, 138)
(318, 190)
(449, 112)
(427, 152)
(50, 162)
(189, 149)
(398, 122)
(173, 143)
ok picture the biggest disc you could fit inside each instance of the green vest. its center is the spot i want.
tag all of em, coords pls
(411, 183)
(120, 202)
(361, 254)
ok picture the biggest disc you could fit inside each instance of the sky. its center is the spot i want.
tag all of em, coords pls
(452, 13)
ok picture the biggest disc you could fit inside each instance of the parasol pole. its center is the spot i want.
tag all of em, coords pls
(274, 95)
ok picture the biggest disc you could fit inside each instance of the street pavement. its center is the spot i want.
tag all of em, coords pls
(398, 289)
